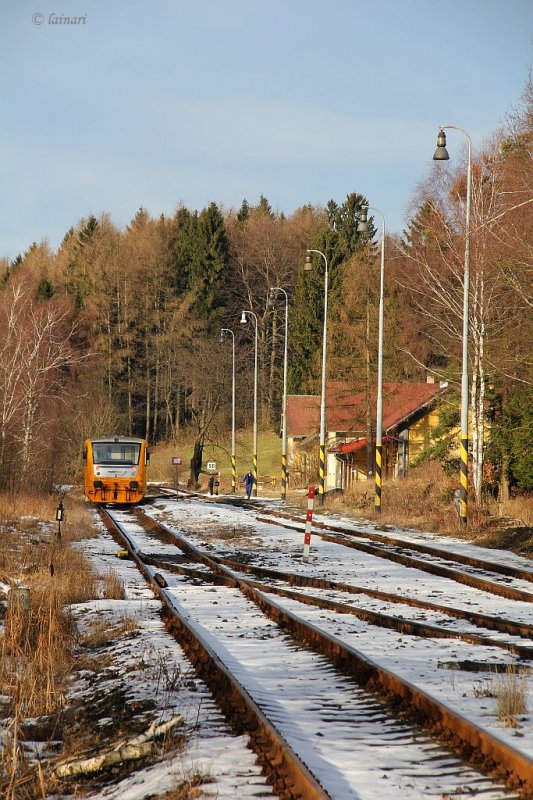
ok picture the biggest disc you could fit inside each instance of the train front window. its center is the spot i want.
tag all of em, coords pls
(123, 454)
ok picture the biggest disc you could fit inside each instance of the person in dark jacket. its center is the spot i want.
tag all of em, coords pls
(248, 483)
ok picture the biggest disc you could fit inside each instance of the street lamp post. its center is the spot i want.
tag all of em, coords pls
(273, 290)
(441, 154)
(233, 454)
(322, 456)
(254, 465)
(363, 228)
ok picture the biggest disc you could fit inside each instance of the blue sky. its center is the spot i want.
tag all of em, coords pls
(167, 102)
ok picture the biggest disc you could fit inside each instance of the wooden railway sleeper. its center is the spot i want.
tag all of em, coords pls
(515, 765)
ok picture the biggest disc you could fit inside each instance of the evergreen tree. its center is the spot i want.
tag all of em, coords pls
(344, 220)
(182, 247)
(88, 230)
(208, 268)
(264, 207)
(338, 243)
(69, 234)
(511, 444)
(244, 212)
(46, 288)
(79, 278)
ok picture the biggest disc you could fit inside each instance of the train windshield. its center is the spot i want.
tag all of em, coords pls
(116, 453)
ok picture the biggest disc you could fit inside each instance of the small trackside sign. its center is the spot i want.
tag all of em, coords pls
(211, 466)
(177, 461)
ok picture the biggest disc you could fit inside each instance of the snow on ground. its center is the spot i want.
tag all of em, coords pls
(416, 658)
(153, 667)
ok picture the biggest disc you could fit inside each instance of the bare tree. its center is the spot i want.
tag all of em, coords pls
(500, 247)
(35, 357)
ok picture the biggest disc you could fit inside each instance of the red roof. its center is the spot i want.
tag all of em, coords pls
(345, 411)
(354, 446)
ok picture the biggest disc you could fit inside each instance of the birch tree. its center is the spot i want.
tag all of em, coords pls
(436, 283)
(35, 358)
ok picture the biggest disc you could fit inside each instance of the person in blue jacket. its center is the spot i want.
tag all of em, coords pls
(248, 483)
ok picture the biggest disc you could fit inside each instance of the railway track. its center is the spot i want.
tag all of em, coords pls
(486, 575)
(338, 707)
(482, 573)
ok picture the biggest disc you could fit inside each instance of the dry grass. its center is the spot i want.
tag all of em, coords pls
(422, 499)
(36, 655)
(113, 586)
(511, 694)
(37, 645)
(16, 506)
(516, 508)
(188, 787)
(36, 652)
(100, 633)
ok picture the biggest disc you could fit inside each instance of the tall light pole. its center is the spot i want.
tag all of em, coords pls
(441, 154)
(322, 457)
(233, 455)
(254, 465)
(363, 228)
(273, 291)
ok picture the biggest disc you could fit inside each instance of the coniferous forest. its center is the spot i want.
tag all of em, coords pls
(119, 330)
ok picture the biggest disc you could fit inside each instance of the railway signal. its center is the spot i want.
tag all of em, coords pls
(60, 516)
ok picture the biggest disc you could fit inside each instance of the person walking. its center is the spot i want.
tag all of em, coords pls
(248, 483)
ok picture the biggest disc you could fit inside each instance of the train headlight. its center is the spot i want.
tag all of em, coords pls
(98, 485)
(134, 484)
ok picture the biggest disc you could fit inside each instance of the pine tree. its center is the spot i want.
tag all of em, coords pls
(264, 207)
(88, 230)
(244, 212)
(79, 280)
(208, 268)
(338, 244)
(46, 288)
(182, 247)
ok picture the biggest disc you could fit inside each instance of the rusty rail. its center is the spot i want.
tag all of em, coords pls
(289, 776)
(501, 624)
(449, 555)
(379, 618)
(416, 563)
(474, 743)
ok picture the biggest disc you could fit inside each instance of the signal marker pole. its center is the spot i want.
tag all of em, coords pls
(308, 521)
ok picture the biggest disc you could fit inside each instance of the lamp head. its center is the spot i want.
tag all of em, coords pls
(441, 154)
(363, 220)
(308, 267)
(243, 319)
(221, 336)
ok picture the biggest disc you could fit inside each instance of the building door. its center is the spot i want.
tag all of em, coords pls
(403, 453)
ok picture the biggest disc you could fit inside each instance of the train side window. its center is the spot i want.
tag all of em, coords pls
(84, 454)
(147, 457)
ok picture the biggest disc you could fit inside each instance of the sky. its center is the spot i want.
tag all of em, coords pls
(162, 103)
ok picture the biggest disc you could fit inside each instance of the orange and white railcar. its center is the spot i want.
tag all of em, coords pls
(115, 469)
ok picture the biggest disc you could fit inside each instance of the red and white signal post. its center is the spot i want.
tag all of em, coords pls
(308, 521)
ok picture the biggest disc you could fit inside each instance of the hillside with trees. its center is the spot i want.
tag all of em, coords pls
(119, 329)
